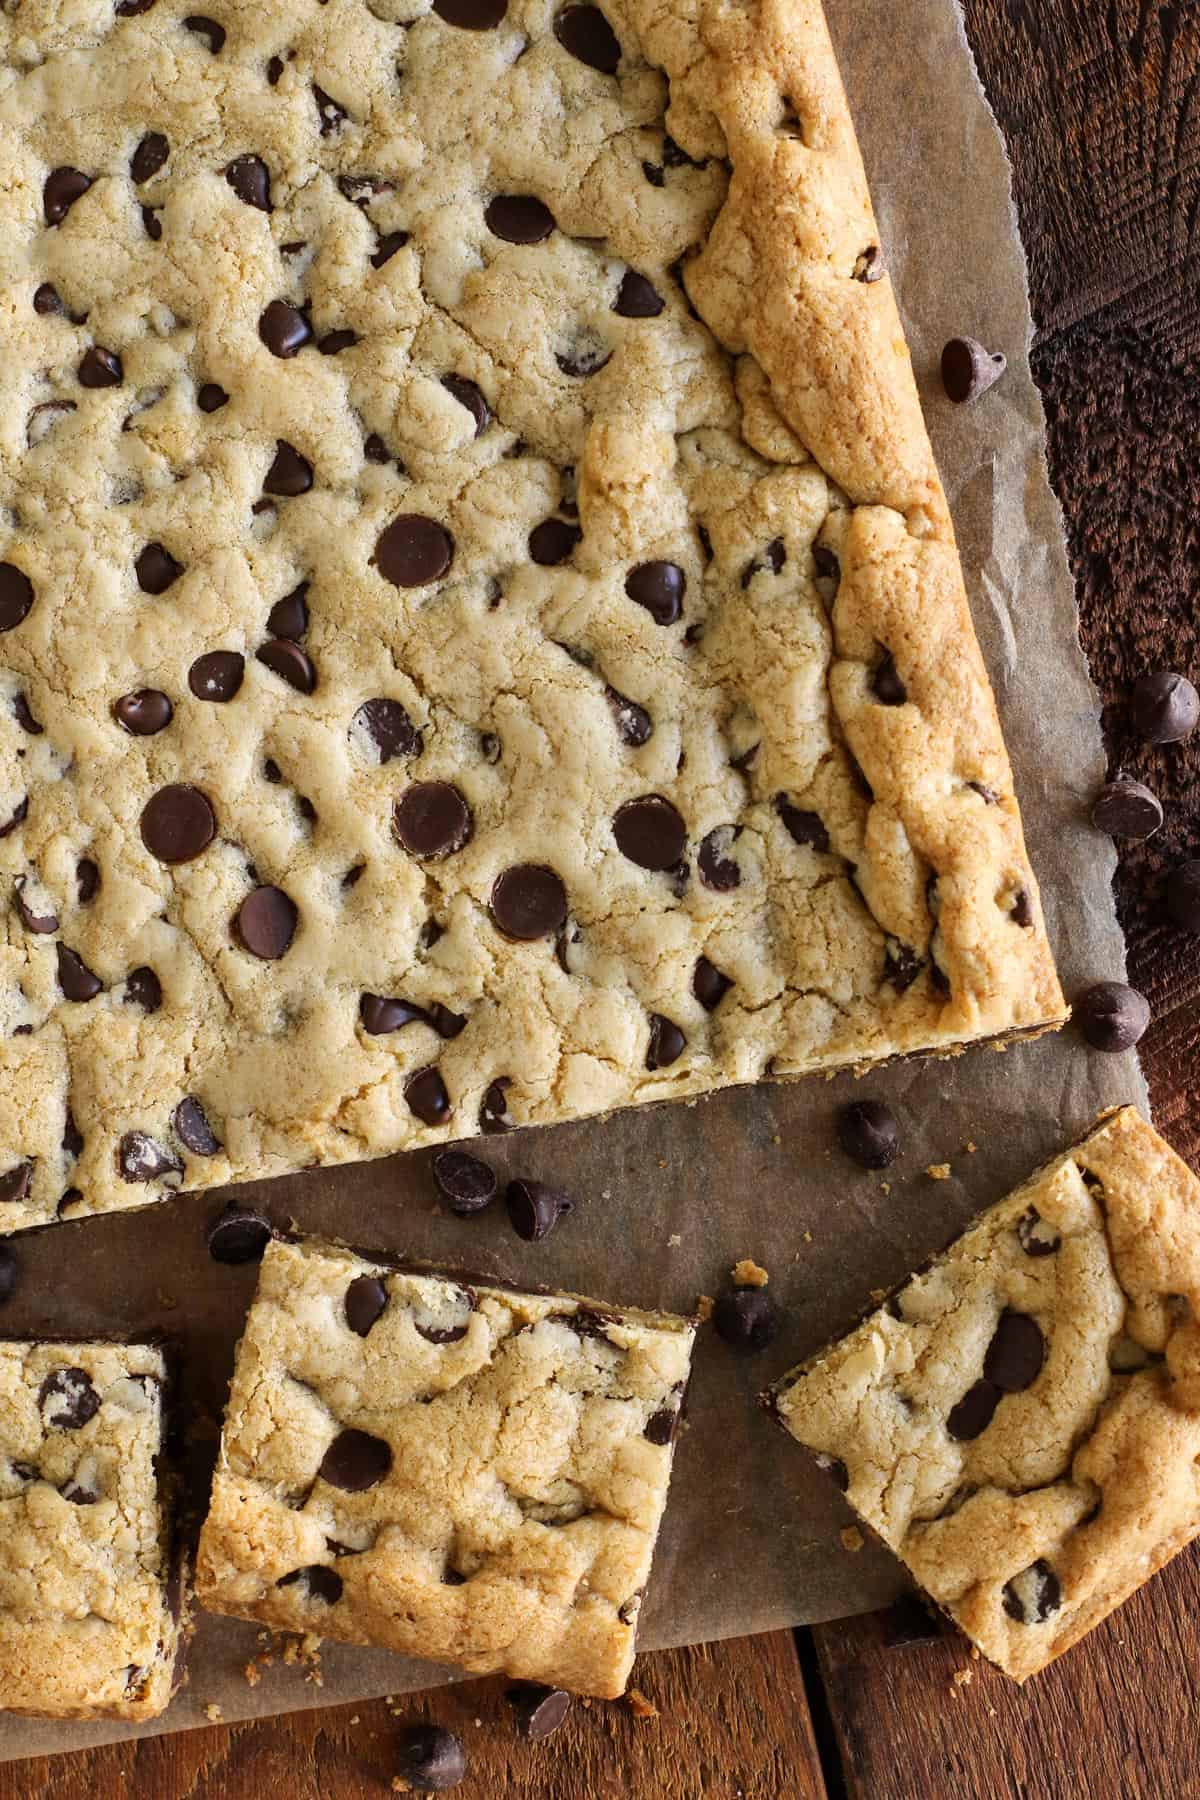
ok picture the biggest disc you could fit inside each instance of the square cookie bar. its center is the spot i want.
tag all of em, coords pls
(457, 1472)
(481, 635)
(90, 1591)
(1021, 1423)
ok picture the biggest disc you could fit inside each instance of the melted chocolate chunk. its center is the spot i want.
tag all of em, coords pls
(68, 1399)
(250, 179)
(193, 1129)
(355, 1461)
(427, 1096)
(708, 984)
(1015, 1355)
(667, 1043)
(366, 1298)
(659, 587)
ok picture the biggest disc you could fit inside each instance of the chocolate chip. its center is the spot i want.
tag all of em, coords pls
(869, 265)
(207, 29)
(47, 301)
(334, 342)
(388, 726)
(888, 688)
(413, 551)
(75, 978)
(149, 156)
(62, 189)
(156, 569)
(1183, 895)
(708, 984)
(773, 558)
(718, 870)
(250, 179)
(15, 1184)
(266, 923)
(365, 1300)
(552, 542)
(100, 368)
(39, 923)
(1165, 707)
(10, 1271)
(193, 1129)
(289, 474)
(430, 1759)
(431, 820)
(140, 1158)
(211, 398)
(659, 587)
(654, 174)
(528, 901)
(969, 370)
(637, 298)
(152, 222)
(1035, 1236)
(144, 989)
(330, 114)
(667, 1043)
(804, 827)
(16, 595)
(25, 718)
(634, 724)
(18, 817)
(322, 1582)
(660, 1426)
(289, 662)
(72, 1138)
(68, 1399)
(288, 618)
(587, 356)
(650, 832)
(869, 1132)
(427, 1096)
(380, 1015)
(540, 1710)
(469, 395)
(217, 675)
(1034, 1595)
(973, 1413)
(1111, 1016)
(465, 1183)
(274, 71)
(375, 450)
(1015, 1355)
(238, 1234)
(826, 563)
(1124, 808)
(284, 329)
(535, 1209)
(518, 218)
(586, 34)
(901, 966)
(746, 1318)
(355, 1461)
(494, 1116)
(389, 243)
(87, 880)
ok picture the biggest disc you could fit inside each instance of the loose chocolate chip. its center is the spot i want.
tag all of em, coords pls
(969, 370)
(1112, 1016)
(329, 113)
(1183, 895)
(718, 870)
(519, 218)
(389, 243)
(803, 827)
(212, 34)
(355, 1461)
(413, 551)
(217, 675)
(10, 1273)
(156, 569)
(471, 396)
(322, 1582)
(888, 688)
(1015, 1355)
(266, 923)
(193, 1129)
(152, 222)
(534, 1209)
(869, 265)
(430, 1759)
(284, 329)
(659, 587)
(380, 1015)
(250, 179)
(708, 984)
(87, 880)
(586, 34)
(289, 662)
(211, 398)
(660, 1426)
(68, 1399)
(552, 542)
(15, 1184)
(667, 1043)
(1165, 707)
(75, 978)
(637, 298)
(465, 1183)
(140, 1158)
(973, 1413)
(1035, 1236)
(427, 1096)
(62, 189)
(238, 1234)
(39, 923)
(289, 474)
(365, 1300)
(540, 1710)
(24, 716)
(16, 595)
(528, 901)
(100, 368)
(869, 1132)
(650, 832)
(149, 156)
(746, 1318)
(1034, 1595)
(431, 820)
(1124, 808)
(494, 1116)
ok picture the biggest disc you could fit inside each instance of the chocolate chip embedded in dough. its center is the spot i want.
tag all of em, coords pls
(413, 551)
(469, 395)
(319, 1581)
(284, 329)
(62, 189)
(266, 923)
(380, 1015)
(149, 157)
(973, 1413)
(650, 832)
(144, 712)
(217, 675)
(207, 30)
(659, 587)
(869, 265)
(41, 924)
(156, 569)
(427, 1096)
(660, 1426)
(519, 218)
(802, 827)
(140, 1158)
(250, 179)
(331, 115)
(193, 1129)
(637, 298)
(75, 978)
(15, 1184)
(87, 880)
(708, 984)
(969, 370)
(386, 724)
(494, 1116)
(68, 1400)
(432, 820)
(552, 541)
(1033, 1596)
(287, 660)
(355, 1461)
(24, 716)
(144, 989)
(17, 817)
(100, 368)
(1016, 1353)
(666, 1044)
(288, 618)
(1036, 1237)
(886, 684)
(211, 398)
(388, 244)
(528, 901)
(465, 1182)
(717, 868)
(826, 563)
(238, 1235)
(152, 222)
(290, 473)
(585, 33)
(587, 355)
(16, 596)
(366, 1298)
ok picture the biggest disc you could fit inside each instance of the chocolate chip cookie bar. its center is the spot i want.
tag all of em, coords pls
(453, 1471)
(89, 1587)
(1021, 1423)
(481, 635)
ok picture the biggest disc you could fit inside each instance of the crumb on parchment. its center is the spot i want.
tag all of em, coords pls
(252, 1674)
(674, 1241)
(748, 1274)
(852, 1539)
(962, 1678)
(640, 1706)
(704, 1307)
(938, 1171)
(212, 1712)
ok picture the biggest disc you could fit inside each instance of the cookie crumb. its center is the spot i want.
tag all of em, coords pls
(704, 1307)
(808, 1237)
(879, 1295)
(885, 1187)
(168, 1302)
(852, 1539)
(252, 1674)
(674, 1241)
(212, 1713)
(748, 1274)
(775, 1138)
(938, 1171)
(640, 1706)
(971, 1147)
(962, 1678)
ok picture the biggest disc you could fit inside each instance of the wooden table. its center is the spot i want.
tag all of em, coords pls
(1100, 100)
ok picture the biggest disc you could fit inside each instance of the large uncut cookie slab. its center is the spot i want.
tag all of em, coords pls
(481, 636)
(457, 1472)
(1021, 1424)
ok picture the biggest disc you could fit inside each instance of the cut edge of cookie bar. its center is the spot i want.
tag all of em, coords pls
(468, 1542)
(127, 1603)
(1066, 1551)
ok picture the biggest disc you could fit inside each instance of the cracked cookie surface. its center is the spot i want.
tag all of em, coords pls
(1021, 1423)
(481, 636)
(458, 1472)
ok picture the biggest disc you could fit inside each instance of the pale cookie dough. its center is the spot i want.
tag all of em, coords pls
(89, 1586)
(1021, 1423)
(456, 1472)
(481, 635)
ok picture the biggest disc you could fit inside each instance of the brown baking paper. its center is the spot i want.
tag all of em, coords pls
(669, 1198)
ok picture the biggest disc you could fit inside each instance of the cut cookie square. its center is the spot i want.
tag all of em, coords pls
(90, 1586)
(1021, 1422)
(482, 640)
(457, 1472)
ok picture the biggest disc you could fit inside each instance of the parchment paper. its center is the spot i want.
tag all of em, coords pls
(670, 1197)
